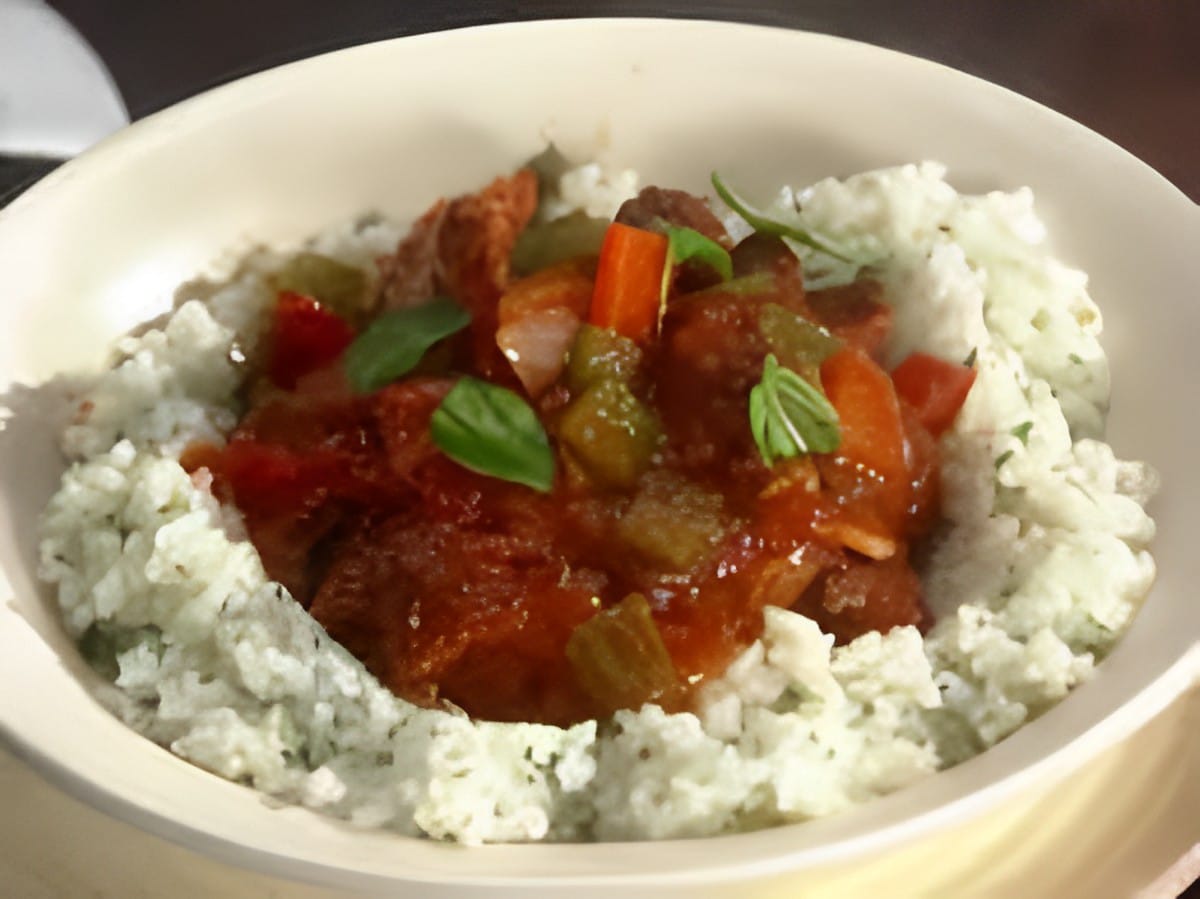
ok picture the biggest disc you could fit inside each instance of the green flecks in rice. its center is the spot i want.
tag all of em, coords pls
(1041, 570)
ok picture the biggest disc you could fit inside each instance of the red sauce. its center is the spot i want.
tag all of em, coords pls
(454, 586)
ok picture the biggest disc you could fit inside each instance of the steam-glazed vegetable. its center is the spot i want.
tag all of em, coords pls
(611, 433)
(565, 466)
(619, 658)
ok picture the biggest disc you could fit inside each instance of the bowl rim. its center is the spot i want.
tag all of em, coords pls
(1176, 678)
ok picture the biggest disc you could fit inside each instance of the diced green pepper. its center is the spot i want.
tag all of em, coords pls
(542, 245)
(341, 287)
(600, 354)
(672, 522)
(610, 433)
(797, 343)
(619, 658)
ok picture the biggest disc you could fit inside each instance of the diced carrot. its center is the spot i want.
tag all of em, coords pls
(305, 337)
(868, 412)
(567, 285)
(629, 281)
(936, 389)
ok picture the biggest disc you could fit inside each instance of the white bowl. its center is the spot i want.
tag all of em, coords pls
(100, 245)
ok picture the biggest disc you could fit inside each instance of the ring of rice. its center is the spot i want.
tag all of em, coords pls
(1042, 565)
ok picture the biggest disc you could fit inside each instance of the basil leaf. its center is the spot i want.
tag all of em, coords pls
(394, 343)
(789, 416)
(687, 244)
(493, 431)
(760, 222)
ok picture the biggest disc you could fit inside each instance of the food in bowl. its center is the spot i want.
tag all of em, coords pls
(702, 500)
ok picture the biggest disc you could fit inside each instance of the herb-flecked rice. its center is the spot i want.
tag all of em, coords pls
(1041, 566)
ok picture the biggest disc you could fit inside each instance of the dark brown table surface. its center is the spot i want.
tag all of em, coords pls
(1129, 69)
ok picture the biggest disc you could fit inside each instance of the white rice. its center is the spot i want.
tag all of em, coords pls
(1042, 568)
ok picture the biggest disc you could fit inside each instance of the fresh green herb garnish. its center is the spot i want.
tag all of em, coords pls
(395, 342)
(687, 244)
(969, 362)
(1021, 432)
(1002, 458)
(789, 416)
(1076, 358)
(493, 431)
(760, 222)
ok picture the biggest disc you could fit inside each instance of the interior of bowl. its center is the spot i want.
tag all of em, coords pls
(101, 246)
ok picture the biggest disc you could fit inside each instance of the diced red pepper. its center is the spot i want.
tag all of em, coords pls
(629, 281)
(935, 388)
(306, 336)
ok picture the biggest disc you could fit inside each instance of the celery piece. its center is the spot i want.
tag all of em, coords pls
(600, 354)
(672, 522)
(619, 659)
(611, 434)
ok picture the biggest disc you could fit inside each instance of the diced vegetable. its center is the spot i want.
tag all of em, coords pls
(306, 336)
(629, 277)
(763, 223)
(567, 285)
(936, 389)
(789, 416)
(493, 431)
(796, 342)
(539, 316)
(395, 342)
(744, 285)
(536, 346)
(339, 287)
(672, 522)
(558, 240)
(865, 536)
(599, 354)
(610, 433)
(619, 659)
(866, 404)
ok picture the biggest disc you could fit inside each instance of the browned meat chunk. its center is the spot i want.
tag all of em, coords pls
(675, 206)
(855, 313)
(462, 249)
(477, 237)
(406, 278)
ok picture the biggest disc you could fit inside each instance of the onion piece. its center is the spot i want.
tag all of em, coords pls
(536, 345)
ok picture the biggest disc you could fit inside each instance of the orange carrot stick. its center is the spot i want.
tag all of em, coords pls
(629, 281)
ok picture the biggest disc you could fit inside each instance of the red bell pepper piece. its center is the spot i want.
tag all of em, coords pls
(936, 389)
(306, 336)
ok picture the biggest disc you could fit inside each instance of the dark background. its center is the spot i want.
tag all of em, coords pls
(1129, 69)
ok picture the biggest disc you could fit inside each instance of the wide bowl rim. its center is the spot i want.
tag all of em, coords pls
(1154, 696)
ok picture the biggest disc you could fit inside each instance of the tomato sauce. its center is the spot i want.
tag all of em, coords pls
(455, 586)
